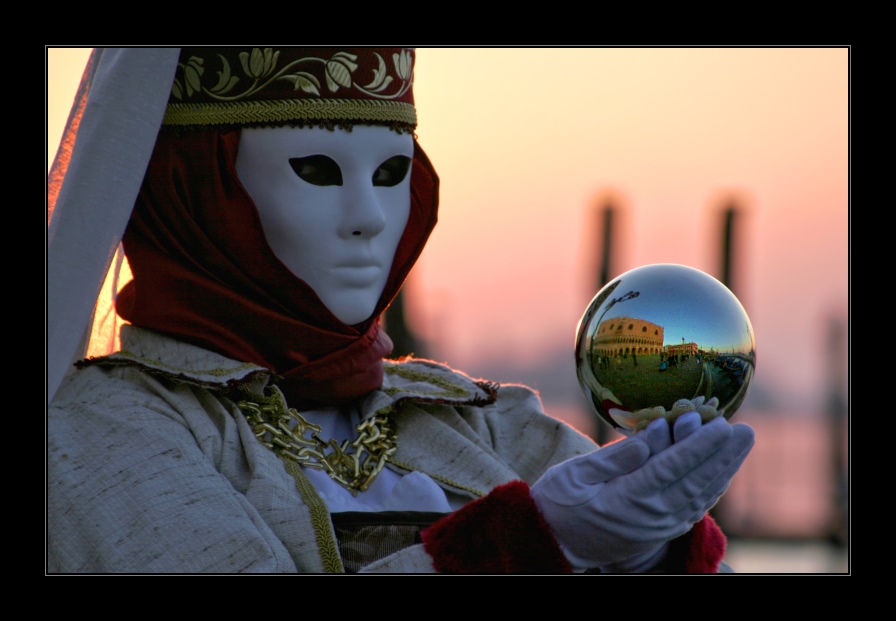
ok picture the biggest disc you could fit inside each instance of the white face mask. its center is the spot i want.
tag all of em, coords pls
(333, 206)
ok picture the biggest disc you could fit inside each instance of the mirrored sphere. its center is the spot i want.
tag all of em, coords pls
(662, 340)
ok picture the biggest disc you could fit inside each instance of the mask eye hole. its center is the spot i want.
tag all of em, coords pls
(317, 170)
(392, 171)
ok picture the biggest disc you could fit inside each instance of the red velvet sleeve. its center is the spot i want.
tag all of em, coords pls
(501, 533)
(504, 533)
(699, 551)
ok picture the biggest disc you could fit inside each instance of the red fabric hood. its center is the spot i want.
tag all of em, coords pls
(204, 273)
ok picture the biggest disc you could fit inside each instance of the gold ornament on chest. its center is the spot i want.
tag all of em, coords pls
(353, 464)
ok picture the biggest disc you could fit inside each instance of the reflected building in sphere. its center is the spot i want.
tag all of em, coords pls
(626, 335)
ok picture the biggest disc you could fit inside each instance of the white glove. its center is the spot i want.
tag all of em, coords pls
(618, 507)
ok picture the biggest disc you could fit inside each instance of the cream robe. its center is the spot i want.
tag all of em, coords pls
(152, 468)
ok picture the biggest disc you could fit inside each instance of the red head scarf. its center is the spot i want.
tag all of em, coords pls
(204, 273)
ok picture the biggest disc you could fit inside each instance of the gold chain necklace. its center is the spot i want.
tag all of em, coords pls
(354, 465)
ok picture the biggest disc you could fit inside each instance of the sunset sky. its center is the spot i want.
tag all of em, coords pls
(529, 142)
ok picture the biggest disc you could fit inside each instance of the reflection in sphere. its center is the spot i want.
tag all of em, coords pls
(662, 340)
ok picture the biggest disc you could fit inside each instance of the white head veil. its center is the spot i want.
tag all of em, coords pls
(92, 186)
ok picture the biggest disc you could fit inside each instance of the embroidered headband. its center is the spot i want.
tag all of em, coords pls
(325, 86)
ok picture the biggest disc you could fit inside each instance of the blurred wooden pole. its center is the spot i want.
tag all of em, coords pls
(603, 432)
(728, 223)
(836, 411)
(606, 248)
(729, 220)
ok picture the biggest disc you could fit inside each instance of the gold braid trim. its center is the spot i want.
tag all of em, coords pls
(289, 110)
(450, 390)
(320, 519)
(438, 477)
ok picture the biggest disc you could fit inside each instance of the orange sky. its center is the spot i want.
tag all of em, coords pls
(528, 141)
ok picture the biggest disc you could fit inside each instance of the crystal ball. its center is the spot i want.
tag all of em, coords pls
(661, 340)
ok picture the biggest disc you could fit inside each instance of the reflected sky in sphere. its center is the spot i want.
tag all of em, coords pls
(689, 304)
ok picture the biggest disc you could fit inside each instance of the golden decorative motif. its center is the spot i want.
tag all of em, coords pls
(259, 66)
(354, 465)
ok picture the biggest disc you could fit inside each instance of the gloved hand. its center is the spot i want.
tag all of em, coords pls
(618, 507)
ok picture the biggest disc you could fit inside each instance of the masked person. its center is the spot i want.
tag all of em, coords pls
(270, 203)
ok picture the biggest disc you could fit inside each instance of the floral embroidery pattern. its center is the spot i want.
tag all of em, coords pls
(260, 67)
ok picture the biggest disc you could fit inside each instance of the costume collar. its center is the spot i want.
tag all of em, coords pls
(421, 381)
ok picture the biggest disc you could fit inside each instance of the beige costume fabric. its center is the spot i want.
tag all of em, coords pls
(195, 491)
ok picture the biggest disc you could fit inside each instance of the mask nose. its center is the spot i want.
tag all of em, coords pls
(364, 215)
